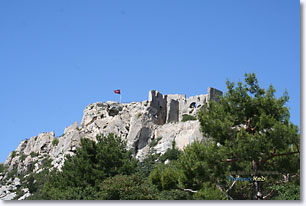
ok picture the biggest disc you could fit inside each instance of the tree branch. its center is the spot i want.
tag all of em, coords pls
(187, 190)
(277, 155)
(295, 175)
(220, 188)
(231, 187)
(268, 195)
(232, 160)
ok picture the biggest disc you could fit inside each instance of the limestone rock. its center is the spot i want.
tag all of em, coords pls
(26, 194)
(8, 196)
(114, 109)
(138, 123)
(72, 127)
(7, 192)
(16, 182)
(183, 133)
(39, 144)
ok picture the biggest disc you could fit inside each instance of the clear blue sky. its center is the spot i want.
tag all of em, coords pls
(58, 56)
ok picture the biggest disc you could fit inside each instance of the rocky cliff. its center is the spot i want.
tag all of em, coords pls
(138, 123)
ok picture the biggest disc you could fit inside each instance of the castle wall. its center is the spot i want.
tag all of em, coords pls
(214, 93)
(172, 111)
(176, 111)
(159, 103)
(172, 107)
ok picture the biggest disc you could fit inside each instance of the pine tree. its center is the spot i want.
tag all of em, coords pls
(83, 173)
(250, 134)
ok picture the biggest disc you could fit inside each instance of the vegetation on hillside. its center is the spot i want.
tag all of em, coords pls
(187, 117)
(252, 152)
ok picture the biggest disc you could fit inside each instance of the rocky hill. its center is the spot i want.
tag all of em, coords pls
(138, 123)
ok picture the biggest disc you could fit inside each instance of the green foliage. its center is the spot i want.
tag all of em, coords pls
(171, 153)
(22, 157)
(12, 174)
(46, 162)
(70, 193)
(169, 178)
(30, 184)
(19, 193)
(248, 132)
(155, 176)
(174, 194)
(187, 117)
(139, 114)
(209, 192)
(127, 187)
(1, 168)
(148, 164)
(165, 177)
(254, 132)
(154, 142)
(35, 181)
(34, 154)
(287, 191)
(55, 142)
(82, 174)
(199, 163)
(13, 154)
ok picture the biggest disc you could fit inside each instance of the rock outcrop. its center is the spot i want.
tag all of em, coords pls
(138, 122)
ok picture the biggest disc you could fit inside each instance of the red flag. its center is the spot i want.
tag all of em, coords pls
(117, 91)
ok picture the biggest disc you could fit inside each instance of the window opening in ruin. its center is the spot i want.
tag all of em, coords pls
(193, 105)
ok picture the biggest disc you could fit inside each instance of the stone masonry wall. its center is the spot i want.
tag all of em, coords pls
(172, 107)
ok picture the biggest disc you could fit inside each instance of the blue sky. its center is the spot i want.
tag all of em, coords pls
(58, 56)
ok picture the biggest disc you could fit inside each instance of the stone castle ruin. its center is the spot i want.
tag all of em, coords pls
(139, 123)
(172, 107)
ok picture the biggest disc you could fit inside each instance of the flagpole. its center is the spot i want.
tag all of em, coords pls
(120, 97)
